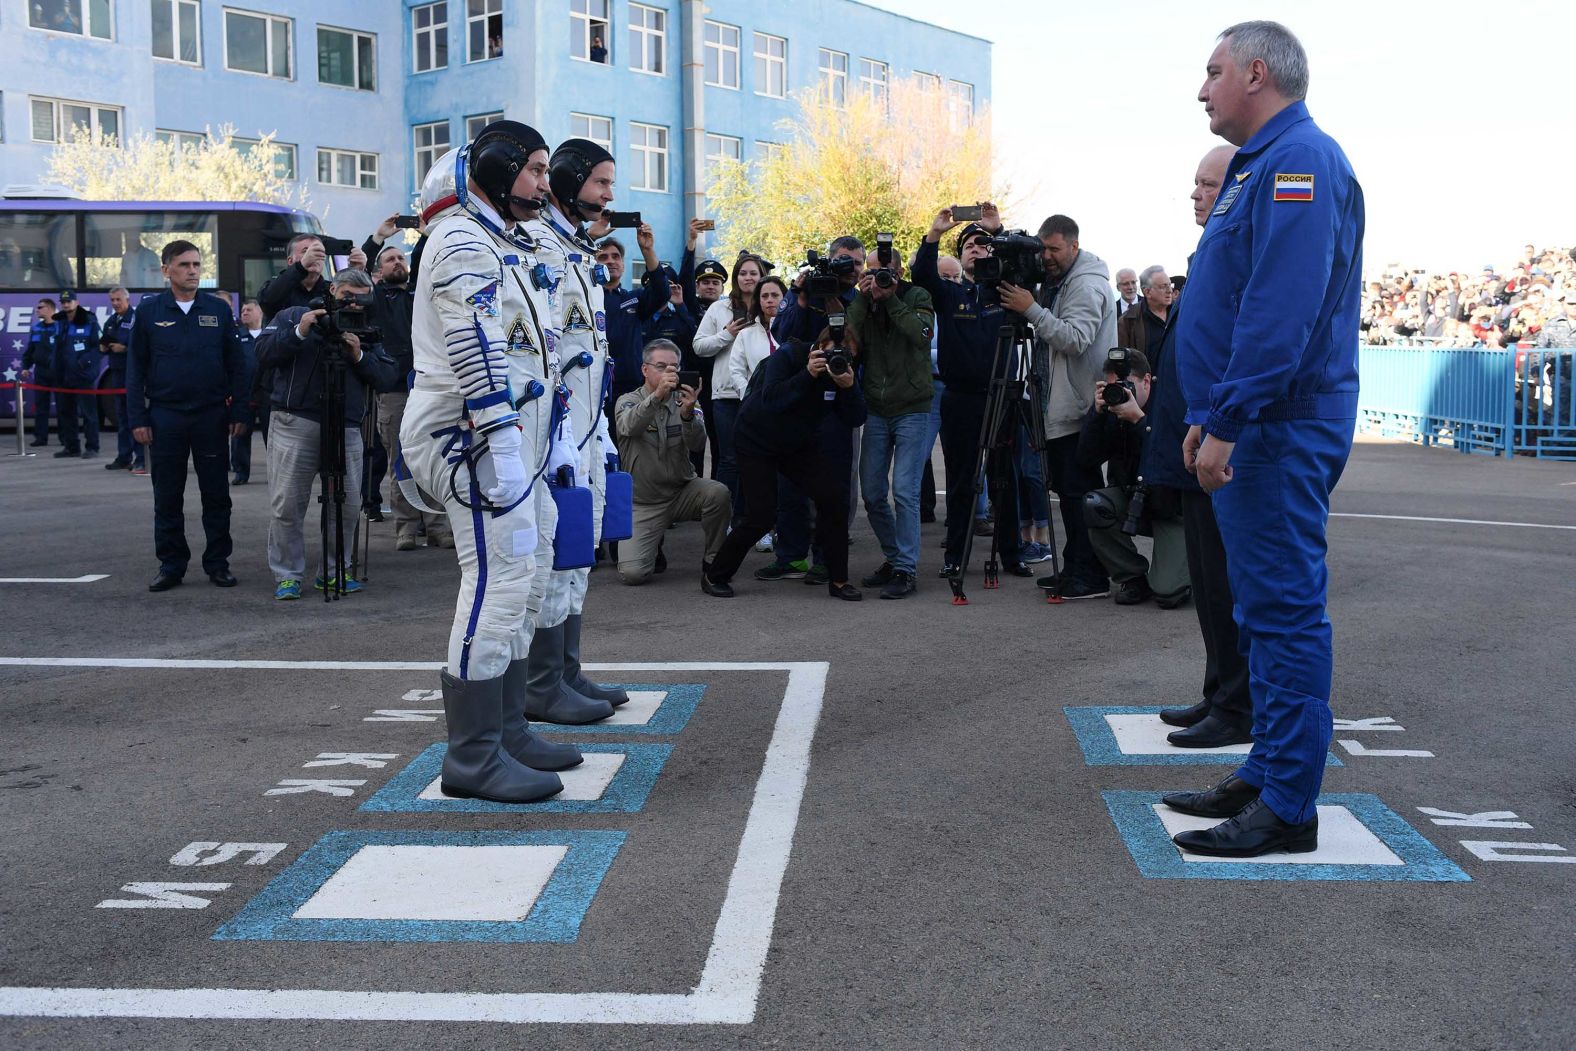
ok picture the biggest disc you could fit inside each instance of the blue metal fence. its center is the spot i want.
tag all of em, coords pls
(1473, 399)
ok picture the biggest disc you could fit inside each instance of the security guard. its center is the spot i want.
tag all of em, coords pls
(38, 366)
(1267, 359)
(186, 386)
(77, 367)
(114, 340)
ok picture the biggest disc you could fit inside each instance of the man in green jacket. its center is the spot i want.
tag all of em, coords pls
(892, 322)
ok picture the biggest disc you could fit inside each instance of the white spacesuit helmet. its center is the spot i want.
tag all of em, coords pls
(439, 189)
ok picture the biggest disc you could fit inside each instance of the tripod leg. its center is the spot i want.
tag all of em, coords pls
(1036, 427)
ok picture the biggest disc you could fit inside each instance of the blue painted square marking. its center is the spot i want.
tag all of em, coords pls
(1100, 747)
(625, 794)
(555, 916)
(1159, 858)
(671, 717)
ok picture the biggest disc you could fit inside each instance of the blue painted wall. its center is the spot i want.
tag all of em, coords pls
(535, 80)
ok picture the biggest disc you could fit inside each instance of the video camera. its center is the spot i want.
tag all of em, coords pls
(1116, 362)
(1014, 260)
(350, 316)
(885, 274)
(824, 277)
(837, 359)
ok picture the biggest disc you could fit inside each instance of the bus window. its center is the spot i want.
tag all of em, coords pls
(122, 248)
(38, 250)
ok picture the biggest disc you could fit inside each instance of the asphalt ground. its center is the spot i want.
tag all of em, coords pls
(956, 877)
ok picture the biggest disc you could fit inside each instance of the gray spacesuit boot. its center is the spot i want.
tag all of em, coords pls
(547, 698)
(531, 749)
(475, 766)
(574, 678)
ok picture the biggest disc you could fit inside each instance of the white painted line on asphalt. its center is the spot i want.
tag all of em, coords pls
(730, 983)
(86, 578)
(1453, 521)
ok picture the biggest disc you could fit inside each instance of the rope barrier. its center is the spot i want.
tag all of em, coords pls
(23, 385)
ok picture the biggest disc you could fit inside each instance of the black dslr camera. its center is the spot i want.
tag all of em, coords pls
(350, 316)
(837, 359)
(1014, 260)
(884, 273)
(1117, 393)
(825, 277)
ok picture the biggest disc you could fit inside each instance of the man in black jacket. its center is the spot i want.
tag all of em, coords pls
(301, 355)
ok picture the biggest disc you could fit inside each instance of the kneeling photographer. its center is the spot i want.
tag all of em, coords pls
(1114, 432)
(324, 356)
(797, 419)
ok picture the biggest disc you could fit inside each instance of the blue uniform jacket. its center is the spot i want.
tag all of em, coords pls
(627, 314)
(77, 349)
(968, 325)
(794, 322)
(185, 360)
(39, 357)
(678, 324)
(1268, 328)
(117, 329)
(1162, 464)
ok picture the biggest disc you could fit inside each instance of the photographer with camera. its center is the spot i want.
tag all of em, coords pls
(969, 320)
(822, 286)
(892, 321)
(302, 345)
(301, 281)
(1115, 432)
(797, 420)
(1074, 320)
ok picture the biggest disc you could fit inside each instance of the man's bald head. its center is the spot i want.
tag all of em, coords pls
(1207, 180)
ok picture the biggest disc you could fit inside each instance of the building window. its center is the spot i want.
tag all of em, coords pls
(834, 76)
(429, 26)
(359, 171)
(65, 16)
(873, 78)
(928, 81)
(284, 155)
(589, 30)
(345, 57)
(723, 148)
(475, 124)
(432, 142)
(648, 39)
(177, 32)
(960, 103)
(765, 151)
(722, 55)
(589, 126)
(54, 120)
(483, 30)
(181, 140)
(257, 44)
(771, 66)
(650, 143)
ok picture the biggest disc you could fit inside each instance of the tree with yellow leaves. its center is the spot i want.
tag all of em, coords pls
(144, 169)
(858, 168)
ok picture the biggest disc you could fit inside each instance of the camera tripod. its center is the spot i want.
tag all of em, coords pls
(331, 474)
(1012, 372)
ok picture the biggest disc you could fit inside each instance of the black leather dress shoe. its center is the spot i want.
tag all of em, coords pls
(714, 588)
(164, 581)
(1185, 716)
(1257, 830)
(1223, 800)
(223, 579)
(1213, 732)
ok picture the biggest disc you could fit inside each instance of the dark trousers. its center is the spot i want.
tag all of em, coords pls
(962, 417)
(201, 436)
(41, 411)
(1225, 668)
(377, 467)
(825, 484)
(241, 456)
(1071, 482)
(127, 450)
(78, 411)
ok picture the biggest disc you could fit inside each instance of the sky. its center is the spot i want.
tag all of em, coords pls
(1450, 113)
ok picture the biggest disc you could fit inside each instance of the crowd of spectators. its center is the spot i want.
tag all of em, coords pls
(1493, 307)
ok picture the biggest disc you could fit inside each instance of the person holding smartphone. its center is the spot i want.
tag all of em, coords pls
(720, 326)
(659, 427)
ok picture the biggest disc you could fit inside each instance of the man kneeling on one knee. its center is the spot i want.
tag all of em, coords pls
(1114, 432)
(659, 427)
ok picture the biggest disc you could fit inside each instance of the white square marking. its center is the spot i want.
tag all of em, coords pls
(411, 882)
(1343, 840)
(583, 784)
(643, 704)
(1145, 734)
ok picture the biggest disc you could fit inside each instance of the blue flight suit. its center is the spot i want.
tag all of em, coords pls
(187, 378)
(39, 360)
(1267, 358)
(77, 359)
(627, 315)
(117, 329)
(241, 444)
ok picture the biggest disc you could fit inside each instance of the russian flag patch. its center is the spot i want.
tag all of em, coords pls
(1293, 187)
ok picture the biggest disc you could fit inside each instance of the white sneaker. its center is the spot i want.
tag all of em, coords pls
(765, 544)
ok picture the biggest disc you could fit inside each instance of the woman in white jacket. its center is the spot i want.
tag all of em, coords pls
(756, 343)
(720, 326)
